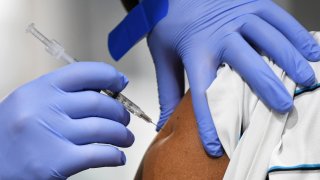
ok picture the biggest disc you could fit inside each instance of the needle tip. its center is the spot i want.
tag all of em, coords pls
(146, 118)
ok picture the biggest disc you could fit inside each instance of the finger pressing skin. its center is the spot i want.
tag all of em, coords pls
(170, 78)
(201, 71)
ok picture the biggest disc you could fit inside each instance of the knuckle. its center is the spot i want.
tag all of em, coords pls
(228, 42)
(22, 120)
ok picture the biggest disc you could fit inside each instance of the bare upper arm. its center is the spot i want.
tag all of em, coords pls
(177, 152)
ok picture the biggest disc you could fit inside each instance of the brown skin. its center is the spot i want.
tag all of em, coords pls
(177, 152)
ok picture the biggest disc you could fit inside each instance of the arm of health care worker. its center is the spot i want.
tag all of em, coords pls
(50, 127)
(199, 35)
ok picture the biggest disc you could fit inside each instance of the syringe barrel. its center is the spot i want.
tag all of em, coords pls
(31, 29)
(67, 58)
(129, 105)
(56, 50)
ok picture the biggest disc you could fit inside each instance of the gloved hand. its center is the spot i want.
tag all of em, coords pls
(50, 126)
(198, 35)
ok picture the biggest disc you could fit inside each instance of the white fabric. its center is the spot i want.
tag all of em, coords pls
(269, 140)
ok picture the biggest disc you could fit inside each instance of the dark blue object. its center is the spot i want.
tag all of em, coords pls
(135, 26)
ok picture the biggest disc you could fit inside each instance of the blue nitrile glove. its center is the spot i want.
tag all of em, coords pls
(50, 127)
(198, 35)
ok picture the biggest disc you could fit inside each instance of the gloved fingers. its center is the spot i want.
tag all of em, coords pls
(274, 44)
(201, 71)
(292, 30)
(98, 130)
(92, 156)
(93, 104)
(249, 64)
(170, 78)
(88, 75)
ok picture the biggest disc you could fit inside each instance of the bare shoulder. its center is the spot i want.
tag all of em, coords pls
(177, 152)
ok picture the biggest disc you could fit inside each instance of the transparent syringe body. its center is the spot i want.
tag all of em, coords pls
(51, 46)
(129, 105)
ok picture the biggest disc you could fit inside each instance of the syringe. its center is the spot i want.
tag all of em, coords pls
(56, 50)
